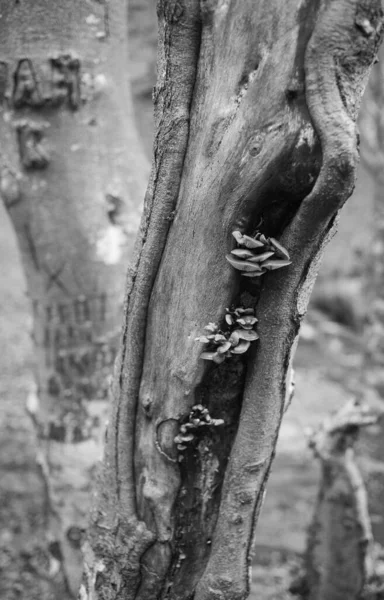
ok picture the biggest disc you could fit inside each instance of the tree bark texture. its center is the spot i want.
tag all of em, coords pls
(255, 109)
(372, 149)
(72, 177)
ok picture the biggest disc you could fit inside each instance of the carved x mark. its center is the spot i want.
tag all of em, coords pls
(54, 278)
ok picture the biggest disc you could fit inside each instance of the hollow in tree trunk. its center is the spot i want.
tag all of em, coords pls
(255, 109)
(72, 175)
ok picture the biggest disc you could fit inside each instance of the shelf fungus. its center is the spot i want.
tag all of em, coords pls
(257, 255)
(236, 338)
(198, 419)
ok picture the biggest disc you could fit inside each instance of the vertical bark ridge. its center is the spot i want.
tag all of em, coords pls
(120, 562)
(172, 104)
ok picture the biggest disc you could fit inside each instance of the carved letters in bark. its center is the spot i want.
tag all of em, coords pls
(32, 147)
(50, 84)
(78, 365)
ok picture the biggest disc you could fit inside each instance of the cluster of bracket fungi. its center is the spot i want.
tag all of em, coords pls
(235, 339)
(198, 417)
(257, 255)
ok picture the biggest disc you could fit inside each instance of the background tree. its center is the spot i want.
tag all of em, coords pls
(255, 130)
(142, 33)
(340, 556)
(72, 175)
(372, 149)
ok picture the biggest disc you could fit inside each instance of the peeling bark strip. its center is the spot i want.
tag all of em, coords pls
(72, 176)
(239, 147)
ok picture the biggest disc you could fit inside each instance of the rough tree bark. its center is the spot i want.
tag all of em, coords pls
(72, 178)
(255, 130)
(372, 376)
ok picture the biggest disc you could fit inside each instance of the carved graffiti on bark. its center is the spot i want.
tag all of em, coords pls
(3, 79)
(66, 81)
(77, 363)
(26, 89)
(42, 85)
(32, 147)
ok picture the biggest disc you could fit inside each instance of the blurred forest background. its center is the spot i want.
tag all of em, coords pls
(328, 357)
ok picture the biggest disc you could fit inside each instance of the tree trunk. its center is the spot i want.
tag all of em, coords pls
(339, 556)
(72, 176)
(372, 148)
(142, 34)
(255, 133)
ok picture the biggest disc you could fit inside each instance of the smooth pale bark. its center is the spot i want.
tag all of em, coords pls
(142, 33)
(372, 150)
(142, 30)
(255, 128)
(72, 177)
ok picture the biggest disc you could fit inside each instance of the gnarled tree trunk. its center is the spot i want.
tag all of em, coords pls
(72, 175)
(255, 132)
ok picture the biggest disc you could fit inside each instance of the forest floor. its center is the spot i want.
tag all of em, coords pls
(329, 351)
